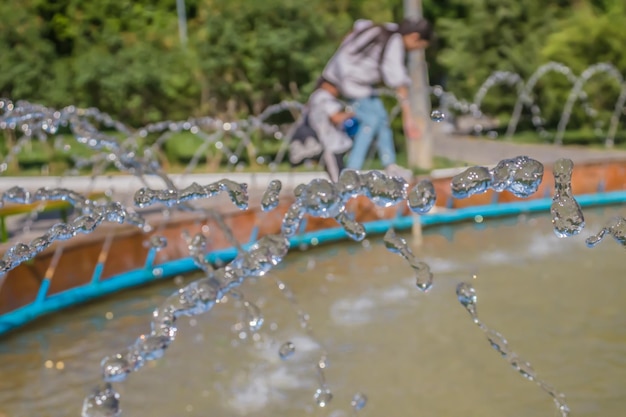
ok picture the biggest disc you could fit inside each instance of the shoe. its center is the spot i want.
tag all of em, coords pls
(394, 170)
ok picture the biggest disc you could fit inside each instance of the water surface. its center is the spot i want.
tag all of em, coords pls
(559, 304)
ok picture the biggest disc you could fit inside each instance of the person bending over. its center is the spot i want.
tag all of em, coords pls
(369, 56)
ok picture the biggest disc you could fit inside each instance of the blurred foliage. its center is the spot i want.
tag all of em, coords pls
(126, 58)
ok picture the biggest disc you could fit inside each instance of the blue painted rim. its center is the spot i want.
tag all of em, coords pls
(151, 273)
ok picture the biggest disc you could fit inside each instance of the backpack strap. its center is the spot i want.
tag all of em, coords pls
(382, 38)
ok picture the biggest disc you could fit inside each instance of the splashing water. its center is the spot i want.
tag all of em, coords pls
(421, 198)
(359, 401)
(197, 246)
(270, 197)
(521, 176)
(103, 402)
(286, 350)
(253, 317)
(90, 215)
(322, 198)
(397, 244)
(238, 194)
(567, 215)
(323, 395)
(616, 228)
(466, 295)
(319, 198)
(437, 116)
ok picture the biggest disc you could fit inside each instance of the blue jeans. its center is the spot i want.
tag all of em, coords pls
(374, 124)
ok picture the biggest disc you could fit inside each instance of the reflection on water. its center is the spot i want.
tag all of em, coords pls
(559, 304)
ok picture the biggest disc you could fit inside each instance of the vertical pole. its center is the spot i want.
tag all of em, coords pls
(419, 149)
(182, 22)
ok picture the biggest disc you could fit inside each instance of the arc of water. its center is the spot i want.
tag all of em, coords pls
(576, 92)
(497, 78)
(208, 140)
(244, 143)
(524, 98)
(619, 109)
(284, 146)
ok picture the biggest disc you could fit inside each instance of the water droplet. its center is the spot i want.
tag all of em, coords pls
(158, 242)
(382, 190)
(115, 368)
(254, 318)
(286, 350)
(498, 342)
(238, 193)
(474, 180)
(616, 228)
(354, 229)
(467, 297)
(359, 401)
(270, 197)
(567, 215)
(103, 402)
(61, 231)
(18, 195)
(421, 198)
(323, 362)
(349, 183)
(85, 224)
(521, 176)
(524, 368)
(423, 276)
(397, 244)
(437, 116)
(323, 396)
(152, 347)
(320, 198)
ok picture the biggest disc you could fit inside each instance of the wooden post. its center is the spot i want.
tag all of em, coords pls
(420, 150)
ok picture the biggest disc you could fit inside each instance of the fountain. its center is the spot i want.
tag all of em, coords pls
(526, 99)
(256, 260)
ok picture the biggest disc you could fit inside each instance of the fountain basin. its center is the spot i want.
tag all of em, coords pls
(116, 257)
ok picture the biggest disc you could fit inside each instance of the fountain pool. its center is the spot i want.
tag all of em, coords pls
(558, 303)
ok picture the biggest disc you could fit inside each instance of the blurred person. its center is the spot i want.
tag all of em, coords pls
(334, 125)
(368, 56)
(325, 131)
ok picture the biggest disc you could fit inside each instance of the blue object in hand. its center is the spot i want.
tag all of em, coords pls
(351, 126)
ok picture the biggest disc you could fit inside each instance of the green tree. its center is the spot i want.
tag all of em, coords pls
(25, 53)
(252, 54)
(592, 34)
(494, 35)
